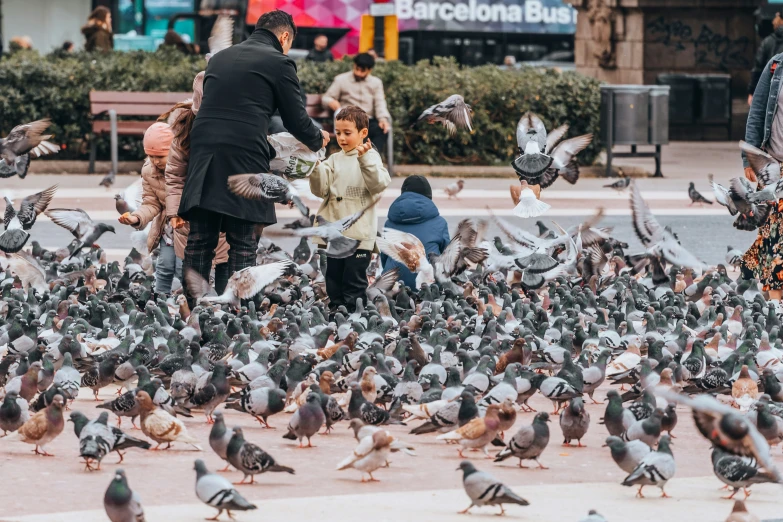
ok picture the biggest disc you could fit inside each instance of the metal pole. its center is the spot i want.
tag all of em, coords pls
(378, 42)
(114, 144)
(609, 133)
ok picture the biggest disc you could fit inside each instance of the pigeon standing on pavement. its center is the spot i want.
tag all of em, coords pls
(371, 453)
(251, 459)
(655, 469)
(306, 421)
(219, 437)
(14, 412)
(627, 455)
(619, 185)
(453, 189)
(160, 425)
(738, 472)
(96, 439)
(529, 442)
(15, 236)
(108, 179)
(574, 421)
(696, 196)
(452, 112)
(120, 502)
(44, 426)
(484, 490)
(218, 492)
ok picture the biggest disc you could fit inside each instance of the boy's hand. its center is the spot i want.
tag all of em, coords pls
(177, 222)
(128, 219)
(364, 147)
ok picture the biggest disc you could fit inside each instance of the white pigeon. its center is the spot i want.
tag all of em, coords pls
(529, 205)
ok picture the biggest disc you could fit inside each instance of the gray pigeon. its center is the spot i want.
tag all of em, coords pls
(68, 378)
(219, 437)
(453, 112)
(18, 223)
(260, 403)
(574, 421)
(646, 430)
(27, 138)
(80, 224)
(13, 412)
(266, 186)
(306, 421)
(529, 442)
(531, 139)
(738, 472)
(96, 440)
(484, 490)
(250, 459)
(218, 492)
(655, 469)
(120, 502)
(627, 455)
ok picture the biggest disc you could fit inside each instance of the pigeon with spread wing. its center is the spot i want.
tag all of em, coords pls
(17, 223)
(453, 113)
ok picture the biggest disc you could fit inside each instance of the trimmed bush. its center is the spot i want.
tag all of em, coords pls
(56, 86)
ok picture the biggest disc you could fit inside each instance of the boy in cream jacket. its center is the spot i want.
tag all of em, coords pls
(348, 181)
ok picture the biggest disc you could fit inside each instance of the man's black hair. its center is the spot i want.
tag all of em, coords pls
(277, 21)
(364, 61)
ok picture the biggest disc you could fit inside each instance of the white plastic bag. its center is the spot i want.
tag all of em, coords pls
(293, 159)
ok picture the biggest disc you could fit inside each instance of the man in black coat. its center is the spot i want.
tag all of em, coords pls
(243, 86)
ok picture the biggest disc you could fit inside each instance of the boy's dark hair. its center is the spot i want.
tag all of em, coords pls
(277, 21)
(364, 61)
(354, 114)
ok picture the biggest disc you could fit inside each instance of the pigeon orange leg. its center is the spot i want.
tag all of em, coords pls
(465, 511)
(309, 443)
(225, 470)
(663, 494)
(747, 493)
(502, 511)
(521, 466)
(580, 445)
(732, 495)
(541, 466)
(639, 493)
(372, 479)
(460, 453)
(216, 516)
(122, 457)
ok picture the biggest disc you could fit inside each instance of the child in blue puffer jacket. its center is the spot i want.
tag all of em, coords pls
(415, 213)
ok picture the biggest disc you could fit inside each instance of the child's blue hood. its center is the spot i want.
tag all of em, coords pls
(412, 208)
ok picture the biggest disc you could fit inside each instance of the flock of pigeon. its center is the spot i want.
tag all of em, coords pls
(568, 314)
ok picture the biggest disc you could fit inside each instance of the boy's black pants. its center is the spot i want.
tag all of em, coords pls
(346, 279)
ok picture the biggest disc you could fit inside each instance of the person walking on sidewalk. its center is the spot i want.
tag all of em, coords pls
(243, 86)
(764, 259)
(157, 141)
(348, 181)
(415, 213)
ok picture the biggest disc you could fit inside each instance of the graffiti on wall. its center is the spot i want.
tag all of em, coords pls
(710, 49)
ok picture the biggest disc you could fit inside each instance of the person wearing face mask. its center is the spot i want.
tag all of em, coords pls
(361, 89)
(243, 87)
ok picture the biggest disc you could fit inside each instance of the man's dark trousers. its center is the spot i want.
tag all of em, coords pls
(377, 136)
(346, 279)
(205, 229)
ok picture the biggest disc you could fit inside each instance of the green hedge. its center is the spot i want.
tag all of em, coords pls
(33, 86)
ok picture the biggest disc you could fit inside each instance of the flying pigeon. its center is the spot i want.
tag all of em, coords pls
(453, 113)
(17, 167)
(338, 245)
(79, 223)
(17, 223)
(266, 186)
(529, 205)
(27, 138)
(244, 284)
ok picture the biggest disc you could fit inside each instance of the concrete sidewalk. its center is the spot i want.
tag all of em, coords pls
(694, 499)
(680, 160)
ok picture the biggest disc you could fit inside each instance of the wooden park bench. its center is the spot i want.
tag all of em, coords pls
(146, 107)
(326, 117)
(143, 107)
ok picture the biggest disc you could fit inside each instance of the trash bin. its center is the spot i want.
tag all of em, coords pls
(682, 97)
(626, 108)
(713, 98)
(659, 114)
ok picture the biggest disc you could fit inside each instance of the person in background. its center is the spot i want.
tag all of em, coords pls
(97, 32)
(18, 43)
(360, 88)
(320, 53)
(415, 213)
(509, 62)
(770, 46)
(67, 47)
(157, 141)
(349, 181)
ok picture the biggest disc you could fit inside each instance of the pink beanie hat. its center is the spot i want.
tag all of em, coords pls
(157, 139)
